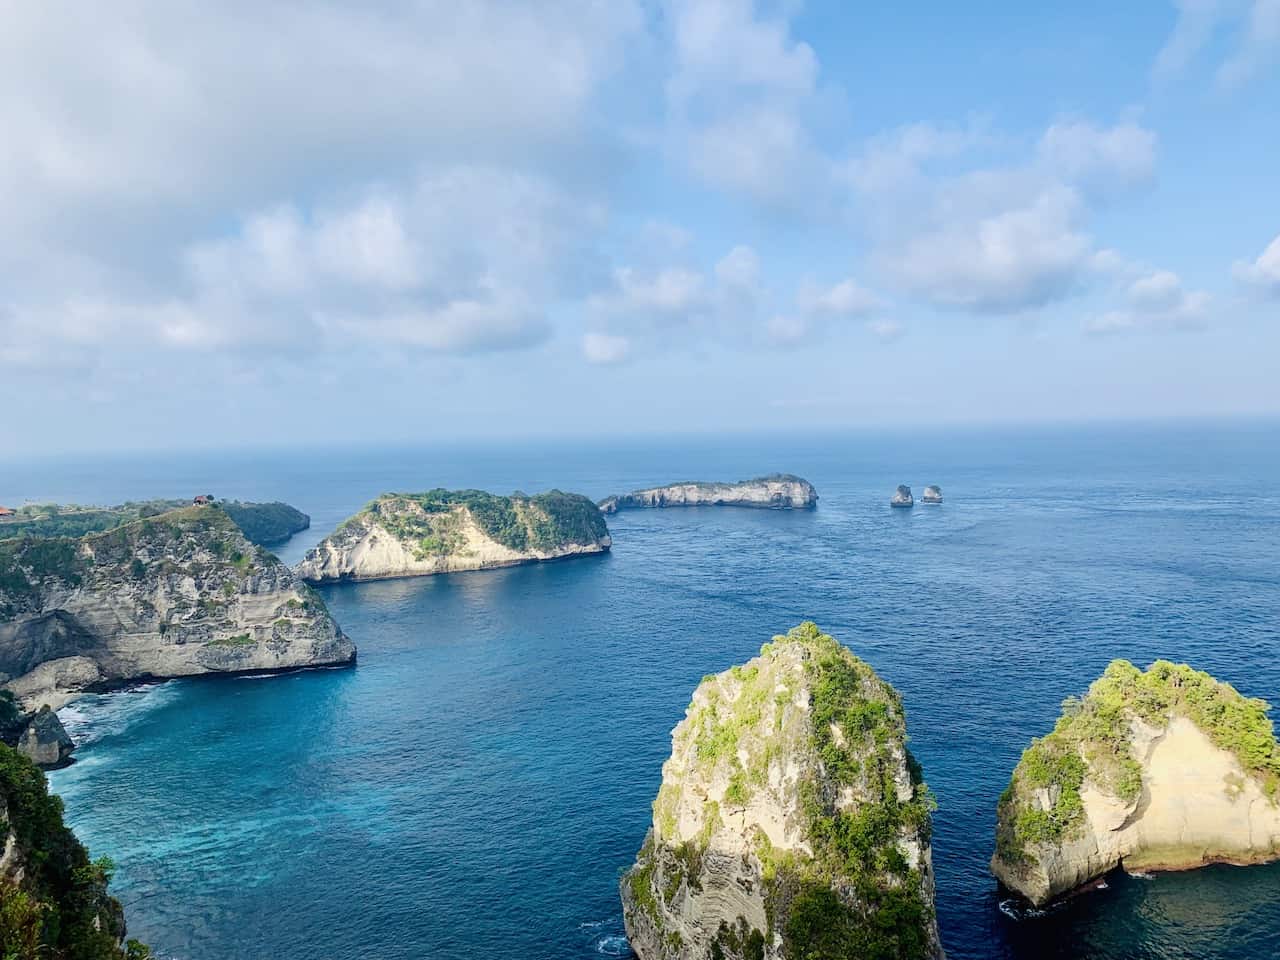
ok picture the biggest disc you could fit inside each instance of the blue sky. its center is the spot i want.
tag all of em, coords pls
(280, 223)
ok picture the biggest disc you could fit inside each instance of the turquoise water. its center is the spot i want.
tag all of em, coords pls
(475, 786)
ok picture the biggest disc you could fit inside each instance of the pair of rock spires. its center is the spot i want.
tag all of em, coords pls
(902, 496)
(793, 822)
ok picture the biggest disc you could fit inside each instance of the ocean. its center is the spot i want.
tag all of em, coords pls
(477, 784)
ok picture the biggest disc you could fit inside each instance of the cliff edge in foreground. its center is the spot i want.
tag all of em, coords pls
(53, 899)
(442, 531)
(1168, 769)
(791, 822)
(779, 491)
(172, 595)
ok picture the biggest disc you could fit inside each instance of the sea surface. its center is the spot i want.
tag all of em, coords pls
(476, 785)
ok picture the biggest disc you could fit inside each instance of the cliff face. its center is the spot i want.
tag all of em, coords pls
(53, 899)
(779, 492)
(1167, 769)
(442, 531)
(173, 595)
(791, 821)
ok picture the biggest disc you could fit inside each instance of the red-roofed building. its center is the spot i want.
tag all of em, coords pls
(6, 512)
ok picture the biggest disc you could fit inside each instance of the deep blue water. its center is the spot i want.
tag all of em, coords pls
(475, 786)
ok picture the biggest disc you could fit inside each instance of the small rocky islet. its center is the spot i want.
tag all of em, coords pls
(778, 491)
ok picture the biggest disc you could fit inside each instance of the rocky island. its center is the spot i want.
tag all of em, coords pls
(932, 494)
(792, 821)
(265, 524)
(177, 594)
(902, 497)
(443, 531)
(1167, 769)
(779, 491)
(53, 899)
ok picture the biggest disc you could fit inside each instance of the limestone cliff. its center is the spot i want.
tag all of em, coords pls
(442, 531)
(53, 899)
(791, 822)
(1167, 769)
(172, 595)
(780, 491)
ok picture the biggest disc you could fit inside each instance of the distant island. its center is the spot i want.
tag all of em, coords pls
(443, 531)
(265, 524)
(1163, 769)
(778, 491)
(176, 594)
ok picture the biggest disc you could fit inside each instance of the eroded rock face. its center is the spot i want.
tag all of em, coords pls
(173, 595)
(778, 492)
(791, 821)
(901, 497)
(442, 531)
(45, 741)
(932, 494)
(1163, 770)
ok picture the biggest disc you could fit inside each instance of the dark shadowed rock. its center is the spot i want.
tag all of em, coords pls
(45, 741)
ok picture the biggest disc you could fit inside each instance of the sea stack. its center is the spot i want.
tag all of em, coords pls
(1167, 769)
(778, 491)
(932, 494)
(443, 531)
(792, 821)
(902, 497)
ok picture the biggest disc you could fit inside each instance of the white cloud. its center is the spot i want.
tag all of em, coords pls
(739, 268)
(1254, 26)
(886, 330)
(1263, 274)
(994, 238)
(1021, 256)
(1155, 301)
(1119, 156)
(847, 298)
(605, 348)
(739, 96)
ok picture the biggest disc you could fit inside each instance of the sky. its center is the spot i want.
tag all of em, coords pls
(278, 223)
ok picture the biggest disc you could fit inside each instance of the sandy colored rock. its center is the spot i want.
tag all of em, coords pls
(1164, 770)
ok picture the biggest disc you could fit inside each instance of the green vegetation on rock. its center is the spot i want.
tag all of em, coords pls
(543, 522)
(262, 523)
(60, 909)
(805, 732)
(1093, 740)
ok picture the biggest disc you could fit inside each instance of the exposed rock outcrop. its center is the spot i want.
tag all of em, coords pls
(932, 494)
(791, 822)
(442, 531)
(902, 497)
(45, 741)
(172, 595)
(779, 491)
(53, 900)
(1163, 770)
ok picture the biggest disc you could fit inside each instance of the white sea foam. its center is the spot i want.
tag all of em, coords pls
(99, 715)
(613, 945)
